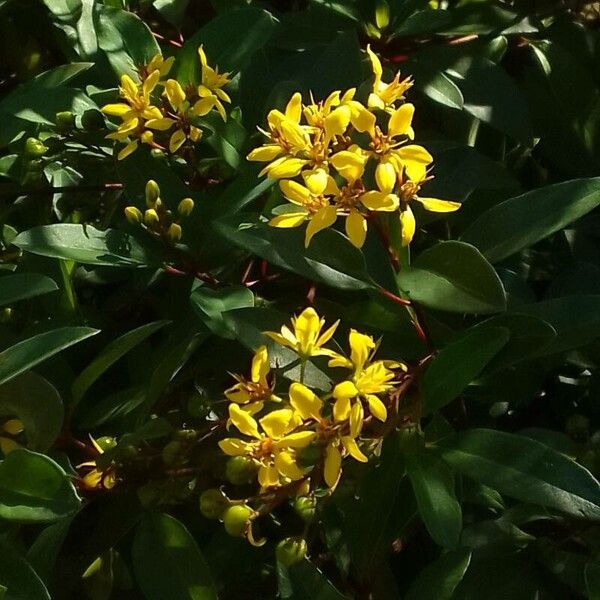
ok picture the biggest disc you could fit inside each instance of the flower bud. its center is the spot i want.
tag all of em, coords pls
(171, 451)
(106, 442)
(185, 208)
(151, 217)
(174, 232)
(65, 120)
(382, 14)
(152, 192)
(305, 507)
(133, 215)
(240, 470)
(290, 551)
(213, 503)
(147, 137)
(237, 519)
(35, 148)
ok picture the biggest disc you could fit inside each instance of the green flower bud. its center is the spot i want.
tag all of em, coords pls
(240, 470)
(171, 452)
(213, 503)
(174, 232)
(156, 153)
(133, 215)
(305, 507)
(185, 208)
(151, 218)
(35, 148)
(237, 519)
(65, 120)
(152, 192)
(106, 442)
(290, 551)
(382, 14)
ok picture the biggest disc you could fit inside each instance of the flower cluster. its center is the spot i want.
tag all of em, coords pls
(302, 437)
(344, 158)
(144, 110)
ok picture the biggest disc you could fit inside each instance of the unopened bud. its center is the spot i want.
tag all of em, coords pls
(290, 551)
(174, 233)
(240, 470)
(372, 31)
(305, 507)
(35, 148)
(151, 217)
(147, 137)
(152, 191)
(65, 120)
(106, 442)
(382, 14)
(237, 519)
(185, 208)
(213, 503)
(133, 215)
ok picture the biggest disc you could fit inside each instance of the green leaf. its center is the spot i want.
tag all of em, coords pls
(423, 22)
(520, 222)
(37, 404)
(24, 285)
(17, 577)
(438, 580)
(433, 484)
(168, 563)
(126, 40)
(212, 306)
(441, 89)
(42, 554)
(523, 469)
(304, 581)
(110, 355)
(330, 258)
(229, 41)
(454, 276)
(85, 244)
(34, 489)
(449, 373)
(26, 354)
(592, 581)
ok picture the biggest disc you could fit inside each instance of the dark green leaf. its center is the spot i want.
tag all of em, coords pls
(454, 276)
(520, 222)
(85, 244)
(34, 489)
(37, 404)
(305, 581)
(524, 469)
(26, 354)
(438, 580)
(17, 577)
(168, 563)
(24, 285)
(443, 90)
(450, 372)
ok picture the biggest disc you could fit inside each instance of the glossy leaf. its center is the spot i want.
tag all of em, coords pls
(524, 469)
(17, 577)
(454, 276)
(24, 285)
(305, 581)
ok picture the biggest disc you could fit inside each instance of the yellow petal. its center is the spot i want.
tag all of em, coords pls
(203, 106)
(288, 220)
(243, 421)
(379, 201)
(305, 401)
(129, 149)
(288, 167)
(195, 133)
(150, 82)
(353, 449)
(341, 408)
(328, 334)
(350, 165)
(400, 121)
(375, 63)
(13, 426)
(316, 180)
(7, 445)
(437, 205)
(176, 140)
(356, 419)
(175, 93)
(337, 121)
(116, 110)
(129, 87)
(295, 192)
(265, 153)
(160, 124)
(235, 447)
(415, 160)
(361, 346)
(324, 218)
(356, 228)
(306, 328)
(300, 439)
(374, 101)
(286, 465)
(333, 465)
(260, 366)
(268, 476)
(408, 225)
(362, 119)
(277, 423)
(294, 134)
(386, 177)
(293, 110)
(377, 407)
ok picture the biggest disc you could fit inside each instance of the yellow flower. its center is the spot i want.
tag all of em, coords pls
(384, 95)
(96, 477)
(8, 443)
(254, 392)
(313, 205)
(306, 338)
(368, 379)
(158, 63)
(340, 439)
(273, 446)
(184, 130)
(408, 191)
(210, 89)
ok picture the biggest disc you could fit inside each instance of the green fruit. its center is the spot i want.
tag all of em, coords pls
(236, 519)
(35, 148)
(65, 120)
(213, 503)
(305, 507)
(240, 470)
(290, 551)
(106, 442)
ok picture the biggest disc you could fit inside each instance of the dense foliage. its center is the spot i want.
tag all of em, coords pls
(300, 299)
